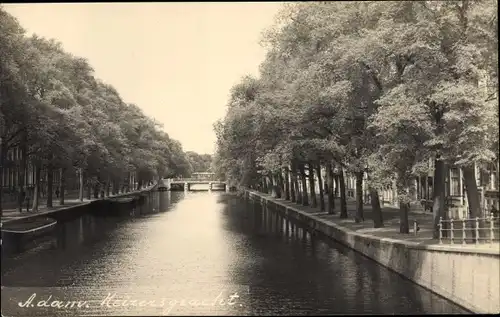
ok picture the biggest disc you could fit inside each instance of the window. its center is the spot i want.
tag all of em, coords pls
(493, 171)
(455, 182)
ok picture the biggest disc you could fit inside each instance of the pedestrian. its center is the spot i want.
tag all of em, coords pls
(57, 192)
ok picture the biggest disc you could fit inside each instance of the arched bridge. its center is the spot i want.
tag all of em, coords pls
(192, 184)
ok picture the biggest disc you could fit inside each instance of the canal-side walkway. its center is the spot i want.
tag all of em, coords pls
(390, 230)
(12, 213)
(465, 274)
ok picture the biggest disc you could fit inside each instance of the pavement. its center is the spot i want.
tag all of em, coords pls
(390, 229)
(71, 200)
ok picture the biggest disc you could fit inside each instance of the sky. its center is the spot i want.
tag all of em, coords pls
(176, 61)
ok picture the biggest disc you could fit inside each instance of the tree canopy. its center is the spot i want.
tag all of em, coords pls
(61, 116)
(373, 87)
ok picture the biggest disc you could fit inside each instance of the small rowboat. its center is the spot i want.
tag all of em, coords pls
(29, 227)
(19, 232)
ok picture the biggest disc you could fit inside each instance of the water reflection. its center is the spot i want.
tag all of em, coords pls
(207, 246)
(344, 282)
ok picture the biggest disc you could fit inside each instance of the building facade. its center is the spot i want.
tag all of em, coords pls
(487, 180)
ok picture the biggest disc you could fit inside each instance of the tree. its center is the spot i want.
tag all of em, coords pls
(64, 121)
(342, 86)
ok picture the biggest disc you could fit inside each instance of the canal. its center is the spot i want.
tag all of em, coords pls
(201, 254)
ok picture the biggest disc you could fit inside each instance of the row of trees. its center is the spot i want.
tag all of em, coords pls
(367, 88)
(64, 119)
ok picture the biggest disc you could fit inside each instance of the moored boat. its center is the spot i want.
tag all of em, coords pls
(124, 200)
(29, 227)
(21, 231)
(116, 206)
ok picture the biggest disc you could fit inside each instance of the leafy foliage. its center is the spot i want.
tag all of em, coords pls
(51, 103)
(379, 87)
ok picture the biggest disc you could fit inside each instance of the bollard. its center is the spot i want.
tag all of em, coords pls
(477, 230)
(440, 225)
(415, 226)
(451, 231)
(463, 231)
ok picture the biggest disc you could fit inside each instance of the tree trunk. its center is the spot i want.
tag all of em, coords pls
(287, 184)
(438, 209)
(277, 185)
(378, 220)
(423, 181)
(336, 190)
(293, 189)
(359, 198)
(293, 183)
(404, 204)
(3, 154)
(321, 191)
(105, 189)
(473, 199)
(314, 202)
(96, 190)
(305, 199)
(108, 187)
(404, 226)
(101, 188)
(272, 188)
(298, 192)
(343, 199)
(61, 186)
(282, 183)
(115, 187)
(89, 190)
(36, 194)
(80, 184)
(329, 185)
(394, 188)
(22, 172)
(50, 185)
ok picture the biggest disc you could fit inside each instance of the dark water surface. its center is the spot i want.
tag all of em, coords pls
(201, 254)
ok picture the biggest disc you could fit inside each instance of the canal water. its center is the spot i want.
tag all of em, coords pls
(201, 253)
